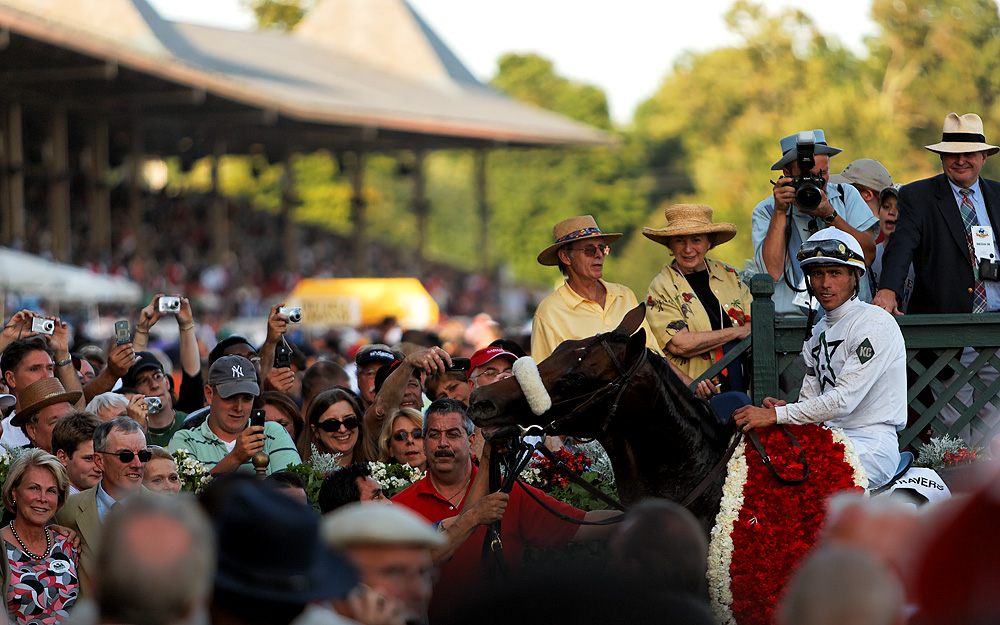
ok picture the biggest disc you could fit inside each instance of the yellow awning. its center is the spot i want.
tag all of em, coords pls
(364, 301)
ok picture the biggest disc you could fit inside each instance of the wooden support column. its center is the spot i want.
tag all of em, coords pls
(136, 204)
(289, 227)
(14, 147)
(218, 217)
(484, 210)
(421, 208)
(57, 169)
(356, 171)
(98, 195)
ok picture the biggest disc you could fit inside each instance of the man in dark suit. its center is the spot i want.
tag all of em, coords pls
(120, 453)
(947, 228)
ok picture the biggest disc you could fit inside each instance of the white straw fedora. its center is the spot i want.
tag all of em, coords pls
(963, 134)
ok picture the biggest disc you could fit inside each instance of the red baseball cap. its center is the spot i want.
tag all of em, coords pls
(485, 355)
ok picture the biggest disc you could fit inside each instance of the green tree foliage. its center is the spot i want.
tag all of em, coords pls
(532, 190)
(278, 14)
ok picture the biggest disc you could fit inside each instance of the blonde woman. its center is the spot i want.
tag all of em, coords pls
(402, 440)
(40, 582)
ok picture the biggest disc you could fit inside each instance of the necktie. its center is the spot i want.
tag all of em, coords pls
(969, 219)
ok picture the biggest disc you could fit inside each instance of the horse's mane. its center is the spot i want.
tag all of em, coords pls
(705, 418)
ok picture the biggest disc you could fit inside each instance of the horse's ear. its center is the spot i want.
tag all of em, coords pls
(632, 320)
(636, 345)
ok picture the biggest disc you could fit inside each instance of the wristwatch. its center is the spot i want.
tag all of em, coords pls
(831, 217)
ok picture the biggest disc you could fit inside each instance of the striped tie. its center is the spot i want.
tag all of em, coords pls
(969, 218)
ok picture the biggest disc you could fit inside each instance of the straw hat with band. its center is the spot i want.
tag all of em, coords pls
(570, 230)
(963, 134)
(687, 219)
(790, 152)
(41, 394)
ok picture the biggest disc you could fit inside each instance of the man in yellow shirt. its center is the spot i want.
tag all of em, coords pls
(585, 304)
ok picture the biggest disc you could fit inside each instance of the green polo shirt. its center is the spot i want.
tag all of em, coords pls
(209, 449)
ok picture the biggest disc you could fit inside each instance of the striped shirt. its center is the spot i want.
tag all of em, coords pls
(209, 449)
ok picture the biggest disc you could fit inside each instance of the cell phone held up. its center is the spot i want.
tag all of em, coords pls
(257, 417)
(460, 364)
(41, 325)
(122, 334)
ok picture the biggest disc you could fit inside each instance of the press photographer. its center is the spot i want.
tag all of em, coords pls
(803, 203)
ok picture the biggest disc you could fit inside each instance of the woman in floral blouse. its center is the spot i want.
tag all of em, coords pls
(39, 576)
(697, 308)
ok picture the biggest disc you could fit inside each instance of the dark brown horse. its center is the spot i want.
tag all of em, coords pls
(661, 438)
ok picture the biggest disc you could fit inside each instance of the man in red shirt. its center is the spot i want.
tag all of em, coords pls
(448, 439)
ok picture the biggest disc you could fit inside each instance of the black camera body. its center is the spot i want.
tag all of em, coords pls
(989, 270)
(808, 185)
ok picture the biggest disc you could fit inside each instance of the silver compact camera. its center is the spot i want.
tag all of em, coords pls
(170, 305)
(293, 313)
(155, 405)
(42, 325)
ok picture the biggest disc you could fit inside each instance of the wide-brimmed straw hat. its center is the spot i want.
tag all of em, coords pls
(41, 394)
(573, 229)
(683, 219)
(963, 134)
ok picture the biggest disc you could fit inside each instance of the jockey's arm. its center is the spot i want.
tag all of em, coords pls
(596, 532)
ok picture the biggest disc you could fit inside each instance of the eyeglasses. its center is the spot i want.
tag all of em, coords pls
(126, 455)
(333, 425)
(493, 374)
(591, 250)
(155, 377)
(827, 248)
(403, 435)
(453, 434)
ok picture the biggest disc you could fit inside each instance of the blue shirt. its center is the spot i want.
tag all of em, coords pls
(992, 287)
(104, 501)
(844, 199)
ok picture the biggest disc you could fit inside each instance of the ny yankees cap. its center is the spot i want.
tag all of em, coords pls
(232, 375)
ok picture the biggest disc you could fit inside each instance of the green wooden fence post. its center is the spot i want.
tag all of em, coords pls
(765, 362)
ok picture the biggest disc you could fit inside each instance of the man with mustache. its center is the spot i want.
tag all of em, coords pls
(448, 439)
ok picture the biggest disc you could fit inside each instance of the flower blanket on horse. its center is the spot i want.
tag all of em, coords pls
(765, 528)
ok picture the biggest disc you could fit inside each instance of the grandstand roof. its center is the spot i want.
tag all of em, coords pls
(391, 85)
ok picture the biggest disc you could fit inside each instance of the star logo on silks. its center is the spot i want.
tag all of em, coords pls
(823, 354)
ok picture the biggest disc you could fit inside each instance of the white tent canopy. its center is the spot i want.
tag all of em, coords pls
(28, 275)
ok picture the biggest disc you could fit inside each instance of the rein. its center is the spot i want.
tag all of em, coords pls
(617, 386)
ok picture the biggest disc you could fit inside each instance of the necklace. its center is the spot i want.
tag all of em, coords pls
(460, 491)
(48, 544)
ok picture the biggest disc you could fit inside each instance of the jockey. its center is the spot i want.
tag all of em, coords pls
(855, 361)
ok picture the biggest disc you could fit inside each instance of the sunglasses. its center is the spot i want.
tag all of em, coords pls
(591, 250)
(333, 425)
(127, 455)
(402, 435)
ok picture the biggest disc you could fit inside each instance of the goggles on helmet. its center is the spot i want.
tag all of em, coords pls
(832, 249)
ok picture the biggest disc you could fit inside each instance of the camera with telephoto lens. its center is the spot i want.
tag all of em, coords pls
(294, 314)
(808, 185)
(169, 305)
(42, 325)
(155, 405)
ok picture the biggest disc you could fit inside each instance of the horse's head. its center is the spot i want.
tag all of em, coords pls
(576, 376)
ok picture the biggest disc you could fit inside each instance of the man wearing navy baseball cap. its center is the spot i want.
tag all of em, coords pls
(225, 441)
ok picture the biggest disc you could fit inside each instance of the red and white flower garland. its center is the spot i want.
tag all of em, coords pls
(764, 528)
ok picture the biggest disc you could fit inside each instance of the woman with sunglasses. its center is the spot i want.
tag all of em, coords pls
(585, 304)
(698, 308)
(40, 582)
(333, 426)
(402, 439)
